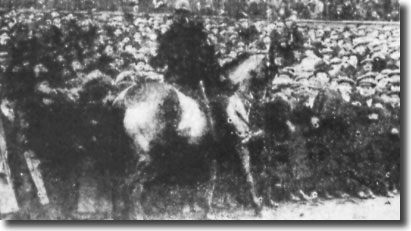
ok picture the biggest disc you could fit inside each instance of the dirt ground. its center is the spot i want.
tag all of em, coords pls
(380, 208)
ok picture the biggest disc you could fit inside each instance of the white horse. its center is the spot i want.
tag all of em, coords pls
(158, 113)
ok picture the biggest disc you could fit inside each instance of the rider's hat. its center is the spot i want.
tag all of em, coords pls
(182, 5)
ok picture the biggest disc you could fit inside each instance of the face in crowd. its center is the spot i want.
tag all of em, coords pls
(322, 78)
(298, 55)
(335, 69)
(361, 50)
(353, 60)
(327, 57)
(345, 88)
(367, 66)
(279, 61)
(366, 90)
(345, 60)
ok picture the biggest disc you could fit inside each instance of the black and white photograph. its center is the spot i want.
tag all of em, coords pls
(200, 110)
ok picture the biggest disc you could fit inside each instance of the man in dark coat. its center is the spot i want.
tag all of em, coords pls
(348, 10)
(186, 52)
(284, 41)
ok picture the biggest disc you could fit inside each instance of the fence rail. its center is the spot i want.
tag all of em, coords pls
(350, 22)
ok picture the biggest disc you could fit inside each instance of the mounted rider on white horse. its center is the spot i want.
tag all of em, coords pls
(184, 108)
(193, 67)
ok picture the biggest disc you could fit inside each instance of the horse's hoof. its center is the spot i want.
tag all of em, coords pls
(389, 194)
(294, 197)
(395, 191)
(272, 204)
(370, 194)
(208, 217)
(328, 196)
(258, 212)
(362, 195)
(136, 218)
(342, 195)
(304, 196)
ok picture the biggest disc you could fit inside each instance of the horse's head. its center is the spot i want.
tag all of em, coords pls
(251, 72)
(262, 70)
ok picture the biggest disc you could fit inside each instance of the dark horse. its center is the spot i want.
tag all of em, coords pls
(158, 114)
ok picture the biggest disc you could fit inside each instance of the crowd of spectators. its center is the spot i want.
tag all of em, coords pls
(375, 10)
(344, 44)
(79, 48)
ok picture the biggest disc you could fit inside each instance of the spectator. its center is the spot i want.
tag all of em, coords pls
(318, 9)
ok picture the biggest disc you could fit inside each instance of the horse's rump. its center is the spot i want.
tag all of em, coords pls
(156, 109)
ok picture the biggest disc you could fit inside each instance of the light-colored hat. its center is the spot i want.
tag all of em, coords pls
(182, 5)
(345, 79)
(367, 79)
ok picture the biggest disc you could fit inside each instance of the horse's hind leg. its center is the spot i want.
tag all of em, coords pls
(245, 162)
(135, 187)
(267, 180)
(210, 189)
(136, 180)
(267, 188)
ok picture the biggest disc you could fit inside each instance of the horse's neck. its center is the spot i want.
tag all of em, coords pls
(241, 74)
(193, 93)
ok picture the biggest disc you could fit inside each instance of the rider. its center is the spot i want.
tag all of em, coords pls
(187, 53)
(191, 59)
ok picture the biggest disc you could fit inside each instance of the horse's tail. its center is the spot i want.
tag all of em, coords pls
(120, 100)
(171, 111)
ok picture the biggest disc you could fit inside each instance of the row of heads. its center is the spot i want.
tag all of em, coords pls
(388, 79)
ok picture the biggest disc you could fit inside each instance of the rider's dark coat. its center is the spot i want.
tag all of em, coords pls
(187, 53)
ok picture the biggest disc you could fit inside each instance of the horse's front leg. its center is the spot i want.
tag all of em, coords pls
(136, 211)
(244, 155)
(267, 187)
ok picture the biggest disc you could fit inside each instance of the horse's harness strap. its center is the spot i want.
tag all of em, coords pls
(208, 110)
(247, 100)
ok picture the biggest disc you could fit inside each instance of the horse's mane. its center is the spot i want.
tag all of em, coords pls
(228, 67)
